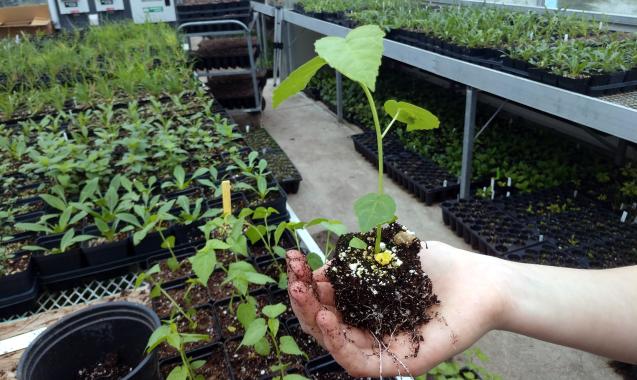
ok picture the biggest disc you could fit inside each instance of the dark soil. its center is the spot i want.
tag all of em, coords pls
(108, 369)
(166, 274)
(218, 291)
(16, 265)
(198, 296)
(332, 376)
(306, 342)
(225, 47)
(214, 369)
(228, 323)
(382, 299)
(205, 320)
(102, 240)
(248, 365)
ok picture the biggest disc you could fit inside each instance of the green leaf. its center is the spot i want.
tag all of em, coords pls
(53, 201)
(294, 376)
(262, 347)
(373, 210)
(415, 117)
(357, 56)
(258, 278)
(168, 243)
(155, 291)
(178, 373)
(273, 325)
(197, 364)
(314, 261)
(254, 332)
(280, 251)
(283, 280)
(357, 243)
(246, 313)
(157, 337)
(273, 311)
(289, 346)
(335, 226)
(296, 81)
(203, 264)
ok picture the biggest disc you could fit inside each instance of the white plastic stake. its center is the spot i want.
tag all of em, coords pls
(508, 194)
(624, 216)
(566, 37)
(541, 238)
(247, 129)
(444, 183)
(65, 136)
(509, 182)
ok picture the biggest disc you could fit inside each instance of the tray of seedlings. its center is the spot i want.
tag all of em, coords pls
(551, 52)
(219, 53)
(198, 10)
(279, 163)
(425, 179)
(237, 91)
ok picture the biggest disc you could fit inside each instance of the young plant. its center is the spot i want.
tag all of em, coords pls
(262, 334)
(168, 333)
(358, 57)
(69, 240)
(180, 182)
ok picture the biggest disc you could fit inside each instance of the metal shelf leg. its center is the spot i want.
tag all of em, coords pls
(339, 97)
(467, 142)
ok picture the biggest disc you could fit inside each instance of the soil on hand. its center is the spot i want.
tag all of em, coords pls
(214, 369)
(108, 369)
(206, 325)
(198, 295)
(248, 365)
(387, 294)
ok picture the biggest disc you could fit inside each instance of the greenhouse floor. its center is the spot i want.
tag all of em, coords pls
(334, 175)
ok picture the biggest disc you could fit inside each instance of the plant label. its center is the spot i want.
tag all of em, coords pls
(509, 182)
(226, 197)
(508, 194)
(624, 216)
(541, 238)
(444, 183)
(566, 37)
(492, 183)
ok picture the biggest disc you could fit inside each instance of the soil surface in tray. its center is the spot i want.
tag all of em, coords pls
(332, 376)
(214, 369)
(16, 265)
(228, 322)
(224, 47)
(394, 288)
(166, 274)
(306, 342)
(248, 365)
(108, 369)
(219, 291)
(204, 317)
(198, 296)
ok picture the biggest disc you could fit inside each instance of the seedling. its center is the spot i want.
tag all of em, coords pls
(168, 333)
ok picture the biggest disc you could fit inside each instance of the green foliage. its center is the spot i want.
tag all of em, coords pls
(296, 81)
(374, 209)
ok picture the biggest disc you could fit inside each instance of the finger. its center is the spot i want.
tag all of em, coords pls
(344, 351)
(298, 269)
(325, 293)
(320, 275)
(305, 306)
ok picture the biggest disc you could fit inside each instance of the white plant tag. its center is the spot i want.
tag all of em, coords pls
(541, 238)
(492, 194)
(601, 25)
(566, 37)
(492, 183)
(185, 47)
(65, 136)
(624, 216)
(444, 183)
(509, 181)
(508, 194)
(247, 128)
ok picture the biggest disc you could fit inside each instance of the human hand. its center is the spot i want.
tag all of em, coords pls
(470, 289)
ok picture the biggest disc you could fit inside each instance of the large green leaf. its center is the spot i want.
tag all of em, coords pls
(254, 332)
(415, 117)
(374, 209)
(289, 346)
(273, 311)
(296, 81)
(203, 264)
(357, 56)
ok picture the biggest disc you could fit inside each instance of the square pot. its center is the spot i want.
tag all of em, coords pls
(49, 265)
(106, 252)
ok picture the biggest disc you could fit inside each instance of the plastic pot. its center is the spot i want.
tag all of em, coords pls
(106, 252)
(82, 339)
(58, 263)
(17, 283)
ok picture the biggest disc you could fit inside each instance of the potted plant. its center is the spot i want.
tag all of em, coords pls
(373, 268)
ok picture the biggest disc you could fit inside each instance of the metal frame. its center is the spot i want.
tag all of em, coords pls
(247, 32)
(598, 114)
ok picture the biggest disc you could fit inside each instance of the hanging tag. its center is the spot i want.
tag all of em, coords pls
(624, 216)
(444, 183)
(541, 238)
(227, 199)
(566, 37)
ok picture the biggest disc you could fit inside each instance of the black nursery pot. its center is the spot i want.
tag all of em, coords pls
(17, 283)
(151, 243)
(83, 339)
(107, 252)
(49, 265)
(579, 85)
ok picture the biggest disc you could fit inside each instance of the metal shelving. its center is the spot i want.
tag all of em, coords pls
(614, 115)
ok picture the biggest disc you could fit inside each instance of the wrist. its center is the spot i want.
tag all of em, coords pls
(504, 277)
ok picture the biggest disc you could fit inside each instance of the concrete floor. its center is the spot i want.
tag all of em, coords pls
(335, 175)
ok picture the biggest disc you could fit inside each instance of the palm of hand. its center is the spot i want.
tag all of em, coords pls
(468, 309)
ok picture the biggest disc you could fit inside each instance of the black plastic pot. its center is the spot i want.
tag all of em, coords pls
(107, 252)
(151, 243)
(82, 339)
(579, 85)
(59, 263)
(17, 283)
